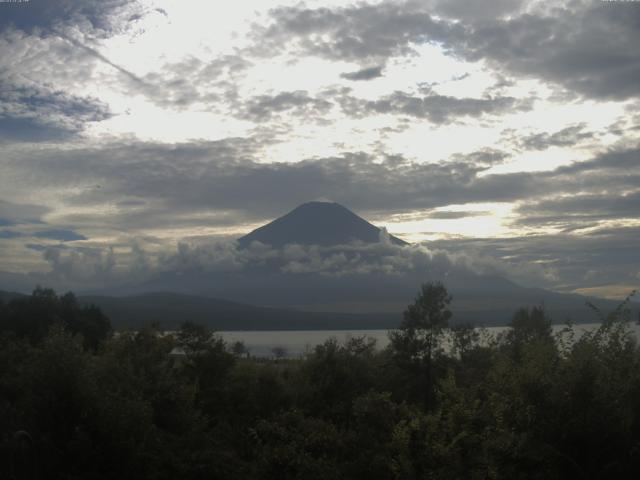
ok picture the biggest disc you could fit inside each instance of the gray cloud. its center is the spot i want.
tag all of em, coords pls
(364, 74)
(433, 107)
(194, 80)
(363, 34)
(604, 256)
(586, 47)
(103, 16)
(17, 213)
(77, 265)
(448, 215)
(35, 114)
(483, 157)
(475, 10)
(60, 234)
(222, 183)
(581, 209)
(99, 56)
(264, 107)
(567, 137)
(102, 267)
(4, 233)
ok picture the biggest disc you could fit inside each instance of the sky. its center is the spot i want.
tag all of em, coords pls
(504, 132)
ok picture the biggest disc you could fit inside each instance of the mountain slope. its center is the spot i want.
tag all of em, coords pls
(310, 283)
(316, 223)
(341, 265)
(171, 309)
(6, 297)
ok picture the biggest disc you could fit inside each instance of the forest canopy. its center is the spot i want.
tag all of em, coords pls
(77, 401)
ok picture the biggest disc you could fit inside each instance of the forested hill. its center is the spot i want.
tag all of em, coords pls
(8, 296)
(171, 309)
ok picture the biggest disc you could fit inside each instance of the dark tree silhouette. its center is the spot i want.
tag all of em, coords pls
(32, 317)
(416, 343)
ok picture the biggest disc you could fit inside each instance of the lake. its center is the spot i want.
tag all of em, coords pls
(294, 343)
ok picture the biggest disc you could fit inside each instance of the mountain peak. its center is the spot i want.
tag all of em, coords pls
(316, 223)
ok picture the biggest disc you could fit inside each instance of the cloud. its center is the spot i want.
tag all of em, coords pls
(581, 208)
(585, 47)
(34, 114)
(9, 234)
(102, 16)
(477, 10)
(109, 266)
(452, 215)
(75, 265)
(436, 108)
(567, 260)
(364, 33)
(59, 234)
(364, 74)
(156, 194)
(211, 83)
(16, 213)
(223, 182)
(99, 56)
(567, 137)
(264, 107)
(483, 157)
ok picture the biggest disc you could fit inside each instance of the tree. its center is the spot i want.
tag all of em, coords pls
(529, 326)
(207, 362)
(416, 343)
(32, 317)
(239, 349)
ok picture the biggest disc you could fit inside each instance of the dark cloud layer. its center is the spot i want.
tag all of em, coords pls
(581, 209)
(605, 256)
(48, 15)
(207, 181)
(35, 114)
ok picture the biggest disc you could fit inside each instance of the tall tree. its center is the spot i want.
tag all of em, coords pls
(418, 340)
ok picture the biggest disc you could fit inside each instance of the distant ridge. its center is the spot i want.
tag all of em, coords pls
(171, 309)
(317, 223)
(8, 296)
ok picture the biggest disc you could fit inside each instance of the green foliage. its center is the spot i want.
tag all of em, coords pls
(417, 343)
(33, 317)
(336, 374)
(207, 363)
(147, 405)
(529, 325)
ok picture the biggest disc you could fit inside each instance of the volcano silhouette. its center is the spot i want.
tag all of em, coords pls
(317, 223)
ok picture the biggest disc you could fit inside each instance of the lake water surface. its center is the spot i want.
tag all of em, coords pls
(295, 343)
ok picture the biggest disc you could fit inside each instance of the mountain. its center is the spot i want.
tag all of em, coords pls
(6, 297)
(309, 281)
(171, 309)
(316, 223)
(342, 264)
